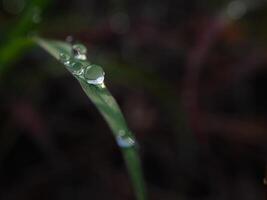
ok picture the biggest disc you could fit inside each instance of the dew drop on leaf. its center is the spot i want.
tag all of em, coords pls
(77, 68)
(64, 58)
(125, 141)
(79, 51)
(94, 74)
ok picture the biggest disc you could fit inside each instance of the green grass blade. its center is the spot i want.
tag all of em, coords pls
(111, 112)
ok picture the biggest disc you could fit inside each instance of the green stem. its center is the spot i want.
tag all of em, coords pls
(112, 114)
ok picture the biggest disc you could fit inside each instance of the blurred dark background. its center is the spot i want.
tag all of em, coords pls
(189, 75)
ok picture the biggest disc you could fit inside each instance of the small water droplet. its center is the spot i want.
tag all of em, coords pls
(77, 68)
(64, 58)
(36, 17)
(94, 74)
(79, 51)
(124, 141)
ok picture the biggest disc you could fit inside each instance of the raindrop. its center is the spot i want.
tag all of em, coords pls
(79, 51)
(94, 74)
(77, 68)
(124, 141)
(64, 58)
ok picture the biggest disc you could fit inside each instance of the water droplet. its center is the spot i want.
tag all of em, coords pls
(80, 48)
(77, 68)
(94, 74)
(124, 141)
(64, 58)
(36, 17)
(79, 51)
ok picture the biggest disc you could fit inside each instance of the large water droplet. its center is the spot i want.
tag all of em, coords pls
(79, 51)
(94, 74)
(125, 141)
(64, 58)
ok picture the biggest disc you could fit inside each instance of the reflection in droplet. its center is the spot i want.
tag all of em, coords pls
(94, 74)
(79, 51)
(125, 141)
